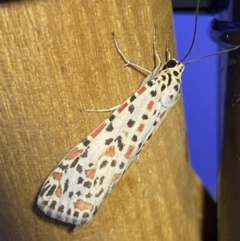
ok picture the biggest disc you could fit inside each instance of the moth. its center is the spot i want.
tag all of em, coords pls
(78, 185)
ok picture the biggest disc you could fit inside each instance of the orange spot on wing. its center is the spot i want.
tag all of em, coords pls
(90, 173)
(116, 176)
(141, 90)
(150, 105)
(129, 152)
(162, 114)
(110, 151)
(57, 175)
(74, 153)
(58, 191)
(98, 129)
(122, 107)
(82, 205)
(141, 127)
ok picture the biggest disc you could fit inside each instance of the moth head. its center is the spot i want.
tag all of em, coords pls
(175, 68)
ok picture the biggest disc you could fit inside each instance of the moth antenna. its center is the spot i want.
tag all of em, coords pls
(212, 54)
(194, 32)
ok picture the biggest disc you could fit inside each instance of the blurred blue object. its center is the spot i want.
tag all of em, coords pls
(200, 95)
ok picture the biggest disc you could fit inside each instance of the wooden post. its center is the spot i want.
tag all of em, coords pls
(58, 57)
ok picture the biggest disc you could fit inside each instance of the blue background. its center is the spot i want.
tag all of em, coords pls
(200, 95)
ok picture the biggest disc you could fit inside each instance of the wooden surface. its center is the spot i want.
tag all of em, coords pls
(57, 57)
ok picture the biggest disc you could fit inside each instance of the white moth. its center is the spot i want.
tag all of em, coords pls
(78, 185)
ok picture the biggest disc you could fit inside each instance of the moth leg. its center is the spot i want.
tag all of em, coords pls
(159, 66)
(157, 55)
(137, 157)
(167, 49)
(139, 152)
(126, 60)
(102, 110)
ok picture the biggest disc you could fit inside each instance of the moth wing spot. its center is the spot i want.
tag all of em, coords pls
(57, 176)
(150, 105)
(116, 177)
(110, 151)
(98, 130)
(82, 205)
(74, 153)
(58, 191)
(162, 115)
(129, 152)
(141, 90)
(90, 173)
(122, 107)
(140, 127)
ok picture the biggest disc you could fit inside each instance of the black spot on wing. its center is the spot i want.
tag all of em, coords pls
(44, 189)
(108, 141)
(132, 98)
(87, 184)
(131, 108)
(169, 79)
(44, 203)
(79, 168)
(66, 185)
(76, 214)
(103, 164)
(176, 87)
(121, 166)
(109, 127)
(85, 215)
(111, 117)
(80, 180)
(153, 93)
(51, 190)
(53, 204)
(120, 144)
(163, 87)
(99, 193)
(134, 138)
(113, 163)
(150, 83)
(144, 117)
(88, 195)
(69, 211)
(61, 208)
(85, 142)
(63, 167)
(101, 180)
(85, 153)
(78, 193)
(74, 163)
(131, 123)
(95, 181)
